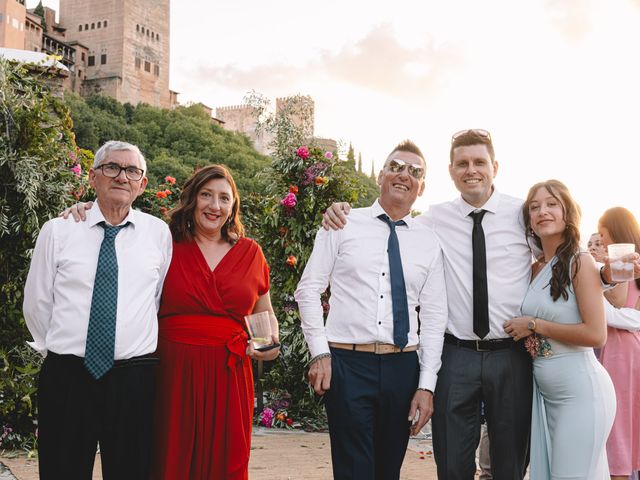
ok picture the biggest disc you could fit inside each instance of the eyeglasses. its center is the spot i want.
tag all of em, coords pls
(396, 166)
(478, 131)
(112, 170)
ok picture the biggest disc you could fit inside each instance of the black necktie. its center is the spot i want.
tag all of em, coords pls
(480, 293)
(398, 289)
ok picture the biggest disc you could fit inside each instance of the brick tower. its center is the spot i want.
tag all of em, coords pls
(128, 47)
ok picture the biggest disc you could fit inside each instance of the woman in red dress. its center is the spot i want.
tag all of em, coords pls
(204, 406)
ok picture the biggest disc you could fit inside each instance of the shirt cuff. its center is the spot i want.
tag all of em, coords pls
(318, 346)
(427, 380)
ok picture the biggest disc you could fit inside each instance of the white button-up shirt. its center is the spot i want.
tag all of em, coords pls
(355, 263)
(59, 287)
(508, 260)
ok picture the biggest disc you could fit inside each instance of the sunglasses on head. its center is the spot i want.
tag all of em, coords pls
(478, 131)
(396, 166)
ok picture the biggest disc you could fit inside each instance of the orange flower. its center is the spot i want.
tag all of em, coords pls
(167, 191)
(170, 179)
(161, 194)
(280, 417)
(283, 231)
(293, 189)
(292, 260)
(321, 180)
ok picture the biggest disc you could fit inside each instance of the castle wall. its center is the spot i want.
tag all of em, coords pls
(12, 19)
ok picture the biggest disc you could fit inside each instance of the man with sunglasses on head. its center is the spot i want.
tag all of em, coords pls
(377, 357)
(480, 362)
(90, 303)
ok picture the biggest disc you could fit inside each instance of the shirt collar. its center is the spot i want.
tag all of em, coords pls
(491, 205)
(376, 209)
(94, 216)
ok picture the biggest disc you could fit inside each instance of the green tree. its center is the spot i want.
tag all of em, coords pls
(174, 142)
(39, 10)
(360, 162)
(37, 153)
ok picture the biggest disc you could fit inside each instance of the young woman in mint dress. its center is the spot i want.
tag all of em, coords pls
(563, 319)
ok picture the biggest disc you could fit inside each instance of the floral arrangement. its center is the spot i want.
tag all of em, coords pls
(276, 414)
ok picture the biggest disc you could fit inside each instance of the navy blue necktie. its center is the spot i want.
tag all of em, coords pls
(398, 289)
(480, 290)
(101, 335)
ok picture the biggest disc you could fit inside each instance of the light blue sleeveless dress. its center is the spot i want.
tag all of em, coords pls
(574, 401)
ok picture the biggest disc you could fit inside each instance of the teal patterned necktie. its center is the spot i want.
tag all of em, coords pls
(101, 335)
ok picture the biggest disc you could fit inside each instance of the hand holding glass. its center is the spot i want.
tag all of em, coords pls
(261, 330)
(621, 261)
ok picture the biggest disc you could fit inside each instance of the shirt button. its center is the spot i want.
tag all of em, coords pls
(381, 296)
(379, 323)
(383, 274)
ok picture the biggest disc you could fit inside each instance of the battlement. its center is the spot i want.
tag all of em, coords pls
(232, 108)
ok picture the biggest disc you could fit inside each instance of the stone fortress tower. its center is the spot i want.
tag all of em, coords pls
(243, 119)
(128, 47)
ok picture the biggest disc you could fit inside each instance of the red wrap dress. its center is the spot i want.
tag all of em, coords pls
(204, 403)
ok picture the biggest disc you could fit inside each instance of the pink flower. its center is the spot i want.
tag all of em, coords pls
(289, 200)
(266, 417)
(328, 155)
(77, 169)
(170, 179)
(161, 194)
(303, 152)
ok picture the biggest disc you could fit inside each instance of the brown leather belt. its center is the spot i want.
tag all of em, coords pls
(377, 348)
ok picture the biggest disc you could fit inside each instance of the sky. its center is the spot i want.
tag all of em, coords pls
(556, 82)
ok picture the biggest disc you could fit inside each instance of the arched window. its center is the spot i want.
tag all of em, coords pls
(79, 28)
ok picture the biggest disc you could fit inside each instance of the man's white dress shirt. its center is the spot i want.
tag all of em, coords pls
(355, 263)
(59, 287)
(508, 260)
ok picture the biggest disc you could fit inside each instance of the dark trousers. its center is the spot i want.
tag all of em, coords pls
(367, 408)
(502, 379)
(76, 412)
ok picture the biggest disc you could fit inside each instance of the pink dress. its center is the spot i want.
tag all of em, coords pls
(621, 357)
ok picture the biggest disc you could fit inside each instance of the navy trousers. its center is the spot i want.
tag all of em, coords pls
(367, 408)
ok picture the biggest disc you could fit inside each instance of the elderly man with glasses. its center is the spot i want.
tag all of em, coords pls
(90, 303)
(377, 357)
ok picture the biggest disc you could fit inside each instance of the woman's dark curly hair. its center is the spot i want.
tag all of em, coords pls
(181, 223)
(569, 249)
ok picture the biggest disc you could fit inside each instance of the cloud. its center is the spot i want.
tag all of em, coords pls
(571, 17)
(376, 62)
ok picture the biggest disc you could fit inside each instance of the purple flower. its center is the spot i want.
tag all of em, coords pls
(310, 174)
(289, 200)
(328, 155)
